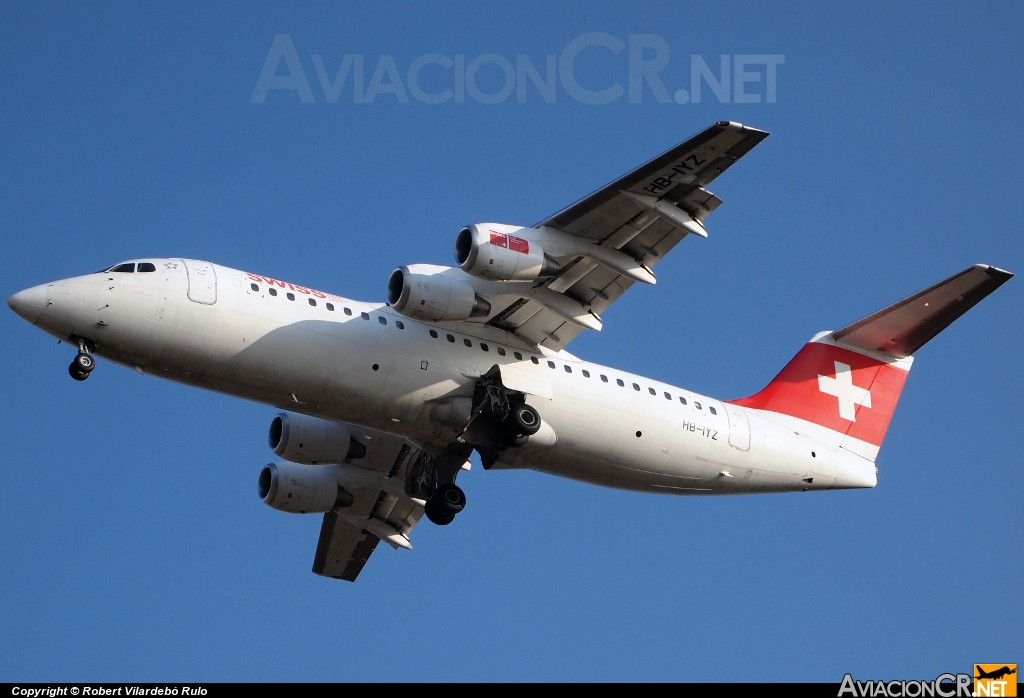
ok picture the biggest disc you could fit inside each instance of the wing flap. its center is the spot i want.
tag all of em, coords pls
(345, 544)
(342, 549)
(906, 326)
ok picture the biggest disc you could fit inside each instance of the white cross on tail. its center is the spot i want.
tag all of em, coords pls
(842, 387)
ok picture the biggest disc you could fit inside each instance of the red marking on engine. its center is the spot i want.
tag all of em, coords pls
(518, 244)
(499, 239)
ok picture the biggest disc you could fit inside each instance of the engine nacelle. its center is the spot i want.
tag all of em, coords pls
(302, 439)
(425, 292)
(511, 253)
(302, 489)
(491, 251)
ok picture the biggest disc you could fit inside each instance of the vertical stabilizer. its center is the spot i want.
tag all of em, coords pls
(843, 386)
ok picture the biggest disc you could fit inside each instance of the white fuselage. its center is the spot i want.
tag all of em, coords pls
(362, 369)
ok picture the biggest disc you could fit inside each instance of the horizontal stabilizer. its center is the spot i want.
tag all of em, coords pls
(906, 326)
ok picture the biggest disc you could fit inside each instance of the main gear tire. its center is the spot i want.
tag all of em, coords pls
(525, 420)
(450, 498)
(76, 373)
(437, 514)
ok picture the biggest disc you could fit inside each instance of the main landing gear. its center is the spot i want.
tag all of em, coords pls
(83, 364)
(500, 419)
(448, 500)
(432, 478)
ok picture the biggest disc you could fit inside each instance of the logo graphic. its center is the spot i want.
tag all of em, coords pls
(510, 242)
(995, 680)
(842, 387)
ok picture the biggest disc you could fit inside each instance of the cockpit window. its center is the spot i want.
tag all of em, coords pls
(128, 268)
(146, 266)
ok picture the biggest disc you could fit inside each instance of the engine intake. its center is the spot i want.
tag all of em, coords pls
(309, 440)
(492, 252)
(302, 489)
(425, 292)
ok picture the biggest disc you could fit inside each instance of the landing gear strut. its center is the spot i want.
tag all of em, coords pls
(83, 364)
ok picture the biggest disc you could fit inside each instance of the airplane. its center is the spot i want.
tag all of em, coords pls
(382, 404)
(995, 673)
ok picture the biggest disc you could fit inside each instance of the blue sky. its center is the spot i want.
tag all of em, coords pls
(133, 544)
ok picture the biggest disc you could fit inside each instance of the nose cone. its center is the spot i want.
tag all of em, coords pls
(29, 303)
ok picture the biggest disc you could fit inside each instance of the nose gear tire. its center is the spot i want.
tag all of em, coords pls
(77, 373)
(84, 363)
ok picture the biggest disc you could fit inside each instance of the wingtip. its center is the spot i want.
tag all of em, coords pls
(737, 126)
(995, 272)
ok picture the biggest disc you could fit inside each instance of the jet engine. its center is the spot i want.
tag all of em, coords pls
(301, 439)
(302, 489)
(425, 292)
(490, 251)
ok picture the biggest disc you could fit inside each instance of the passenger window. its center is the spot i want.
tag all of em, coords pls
(604, 378)
(146, 266)
(586, 373)
(567, 369)
(450, 338)
(365, 316)
(348, 311)
(534, 359)
(399, 324)
(697, 405)
(382, 320)
(501, 352)
(667, 396)
(484, 347)
(712, 410)
(273, 291)
(330, 306)
(551, 364)
(312, 302)
(636, 387)
(433, 333)
(682, 399)
(467, 342)
(291, 296)
(517, 355)
(254, 287)
(125, 268)
(652, 391)
(618, 382)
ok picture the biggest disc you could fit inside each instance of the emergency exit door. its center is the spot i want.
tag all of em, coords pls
(202, 282)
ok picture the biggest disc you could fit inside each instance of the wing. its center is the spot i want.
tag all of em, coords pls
(644, 214)
(349, 536)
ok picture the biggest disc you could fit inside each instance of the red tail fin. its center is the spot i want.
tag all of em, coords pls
(847, 391)
(851, 387)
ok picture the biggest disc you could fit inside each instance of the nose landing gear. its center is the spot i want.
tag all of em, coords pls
(83, 364)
